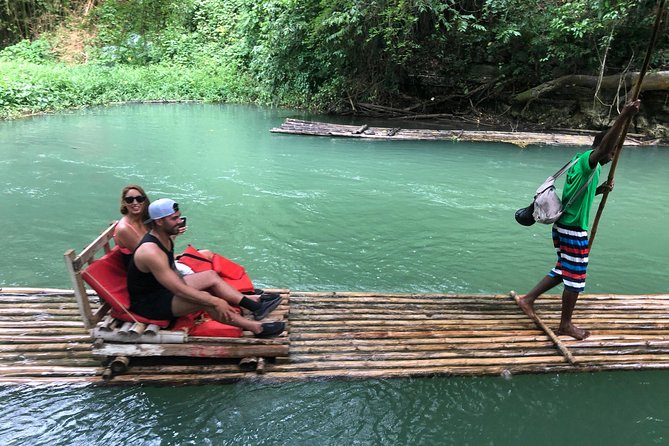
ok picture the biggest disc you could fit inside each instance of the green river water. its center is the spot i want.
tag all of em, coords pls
(324, 214)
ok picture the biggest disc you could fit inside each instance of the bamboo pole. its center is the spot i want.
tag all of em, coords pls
(549, 332)
(172, 350)
(442, 334)
(621, 137)
(30, 339)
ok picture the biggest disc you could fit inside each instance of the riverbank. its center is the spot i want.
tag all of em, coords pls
(30, 89)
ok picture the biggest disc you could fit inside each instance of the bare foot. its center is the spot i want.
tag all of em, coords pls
(573, 331)
(527, 306)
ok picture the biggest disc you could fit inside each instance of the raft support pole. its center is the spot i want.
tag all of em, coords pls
(558, 343)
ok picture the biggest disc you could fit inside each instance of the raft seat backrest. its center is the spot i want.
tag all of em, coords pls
(107, 276)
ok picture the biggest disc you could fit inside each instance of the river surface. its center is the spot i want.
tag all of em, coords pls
(325, 214)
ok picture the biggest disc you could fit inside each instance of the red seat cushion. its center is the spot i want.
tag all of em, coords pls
(107, 276)
(201, 324)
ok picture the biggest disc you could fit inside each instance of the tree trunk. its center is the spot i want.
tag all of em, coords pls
(652, 81)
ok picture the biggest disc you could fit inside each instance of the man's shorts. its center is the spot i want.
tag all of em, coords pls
(571, 244)
(157, 306)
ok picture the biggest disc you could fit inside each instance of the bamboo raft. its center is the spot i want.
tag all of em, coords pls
(354, 336)
(521, 139)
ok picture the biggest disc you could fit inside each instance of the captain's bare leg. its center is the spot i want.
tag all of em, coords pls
(526, 303)
(569, 299)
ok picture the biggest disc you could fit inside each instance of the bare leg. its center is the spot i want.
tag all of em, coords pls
(526, 303)
(211, 281)
(566, 326)
(181, 307)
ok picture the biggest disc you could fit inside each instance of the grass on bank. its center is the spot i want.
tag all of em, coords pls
(28, 88)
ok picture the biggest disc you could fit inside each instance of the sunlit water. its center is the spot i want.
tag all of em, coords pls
(311, 213)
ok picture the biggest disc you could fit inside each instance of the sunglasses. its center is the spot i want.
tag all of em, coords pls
(138, 198)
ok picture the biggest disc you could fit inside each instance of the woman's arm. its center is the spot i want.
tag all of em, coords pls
(126, 236)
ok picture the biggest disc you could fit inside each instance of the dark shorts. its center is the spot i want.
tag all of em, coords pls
(157, 306)
(571, 245)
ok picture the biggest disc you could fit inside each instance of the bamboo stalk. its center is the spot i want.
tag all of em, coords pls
(340, 321)
(42, 331)
(212, 350)
(230, 367)
(35, 355)
(48, 371)
(280, 340)
(362, 364)
(409, 313)
(402, 334)
(380, 358)
(30, 339)
(28, 290)
(40, 324)
(548, 331)
(28, 348)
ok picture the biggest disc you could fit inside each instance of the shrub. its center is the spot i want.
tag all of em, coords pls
(38, 51)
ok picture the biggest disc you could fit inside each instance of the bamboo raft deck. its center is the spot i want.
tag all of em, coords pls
(521, 139)
(356, 336)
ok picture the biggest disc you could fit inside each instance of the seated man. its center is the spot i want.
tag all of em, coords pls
(157, 291)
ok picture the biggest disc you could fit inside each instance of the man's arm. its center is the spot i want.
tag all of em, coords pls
(604, 186)
(149, 257)
(608, 143)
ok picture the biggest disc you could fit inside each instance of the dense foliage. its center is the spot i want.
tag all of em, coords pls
(324, 54)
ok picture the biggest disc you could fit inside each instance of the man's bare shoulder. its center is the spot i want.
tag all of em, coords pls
(149, 255)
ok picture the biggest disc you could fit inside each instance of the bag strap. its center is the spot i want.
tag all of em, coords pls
(580, 191)
(193, 256)
(564, 168)
(550, 181)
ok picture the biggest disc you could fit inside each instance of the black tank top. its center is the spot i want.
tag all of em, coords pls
(141, 284)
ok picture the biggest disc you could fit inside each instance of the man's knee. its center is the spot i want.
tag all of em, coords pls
(202, 280)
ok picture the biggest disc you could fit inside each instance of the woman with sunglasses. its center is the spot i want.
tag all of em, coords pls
(131, 228)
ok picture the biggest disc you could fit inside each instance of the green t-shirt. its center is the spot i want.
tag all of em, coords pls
(578, 214)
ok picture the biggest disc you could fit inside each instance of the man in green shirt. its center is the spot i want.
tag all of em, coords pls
(570, 232)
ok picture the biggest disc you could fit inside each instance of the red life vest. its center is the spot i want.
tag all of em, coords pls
(233, 273)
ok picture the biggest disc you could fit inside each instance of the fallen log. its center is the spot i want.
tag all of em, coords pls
(652, 81)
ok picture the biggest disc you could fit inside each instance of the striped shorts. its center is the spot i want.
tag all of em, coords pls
(571, 244)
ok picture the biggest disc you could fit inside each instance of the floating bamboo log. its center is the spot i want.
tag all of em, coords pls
(521, 139)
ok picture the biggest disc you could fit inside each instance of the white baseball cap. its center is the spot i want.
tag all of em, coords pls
(161, 208)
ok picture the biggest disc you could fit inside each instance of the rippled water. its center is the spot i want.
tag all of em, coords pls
(313, 213)
(608, 408)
